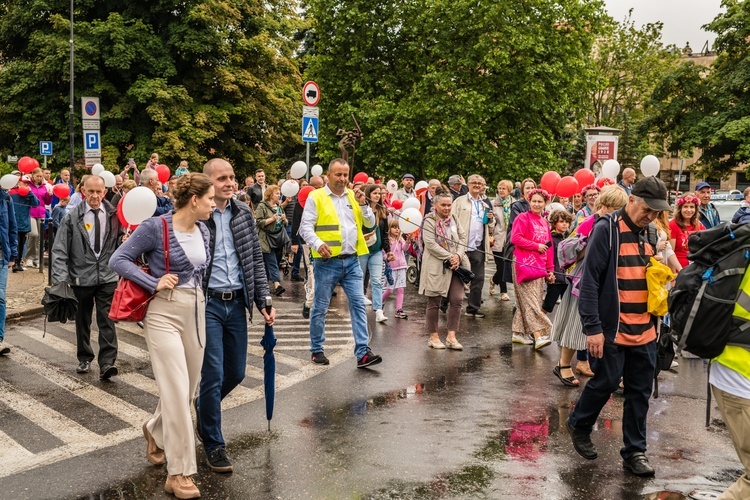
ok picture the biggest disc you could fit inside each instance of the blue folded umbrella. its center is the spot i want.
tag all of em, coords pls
(269, 371)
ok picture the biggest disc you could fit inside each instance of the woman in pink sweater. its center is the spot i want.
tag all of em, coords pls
(534, 264)
(43, 192)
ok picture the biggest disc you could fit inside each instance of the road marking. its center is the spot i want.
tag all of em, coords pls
(11, 451)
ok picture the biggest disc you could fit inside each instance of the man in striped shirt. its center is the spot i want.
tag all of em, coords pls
(621, 333)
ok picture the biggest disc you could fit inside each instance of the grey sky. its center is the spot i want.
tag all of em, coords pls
(682, 18)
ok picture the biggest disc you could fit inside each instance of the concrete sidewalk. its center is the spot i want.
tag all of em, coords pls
(24, 293)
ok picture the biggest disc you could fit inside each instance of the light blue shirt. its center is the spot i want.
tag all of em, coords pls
(225, 268)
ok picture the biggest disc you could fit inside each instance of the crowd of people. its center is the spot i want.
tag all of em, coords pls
(576, 267)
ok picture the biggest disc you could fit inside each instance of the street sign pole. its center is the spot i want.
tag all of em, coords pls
(307, 160)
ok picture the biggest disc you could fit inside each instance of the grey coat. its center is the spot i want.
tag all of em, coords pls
(435, 280)
(500, 231)
(73, 259)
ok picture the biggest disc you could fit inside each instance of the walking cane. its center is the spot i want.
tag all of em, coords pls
(708, 396)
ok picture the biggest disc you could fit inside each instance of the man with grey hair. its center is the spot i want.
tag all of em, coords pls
(628, 179)
(150, 178)
(474, 213)
(457, 186)
(427, 197)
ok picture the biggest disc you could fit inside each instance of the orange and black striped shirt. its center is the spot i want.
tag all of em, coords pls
(636, 323)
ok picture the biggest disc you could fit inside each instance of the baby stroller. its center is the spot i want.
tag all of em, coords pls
(415, 268)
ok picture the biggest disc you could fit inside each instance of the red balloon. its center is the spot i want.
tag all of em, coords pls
(604, 181)
(585, 177)
(36, 163)
(549, 181)
(164, 173)
(397, 204)
(568, 186)
(303, 194)
(26, 164)
(61, 190)
(361, 177)
(23, 189)
(377, 181)
(121, 215)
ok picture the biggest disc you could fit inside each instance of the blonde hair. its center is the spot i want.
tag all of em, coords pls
(270, 190)
(507, 184)
(612, 196)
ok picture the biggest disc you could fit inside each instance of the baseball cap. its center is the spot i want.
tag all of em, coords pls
(407, 176)
(654, 193)
(702, 185)
(454, 179)
(25, 178)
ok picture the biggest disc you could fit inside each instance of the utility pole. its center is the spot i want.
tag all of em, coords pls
(71, 110)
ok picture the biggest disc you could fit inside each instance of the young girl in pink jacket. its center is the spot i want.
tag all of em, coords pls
(396, 262)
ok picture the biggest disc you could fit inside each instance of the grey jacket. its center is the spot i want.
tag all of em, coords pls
(73, 259)
(247, 245)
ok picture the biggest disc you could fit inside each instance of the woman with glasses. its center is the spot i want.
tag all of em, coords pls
(590, 194)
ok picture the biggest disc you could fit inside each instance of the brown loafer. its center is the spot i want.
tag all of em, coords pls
(181, 486)
(154, 454)
(583, 368)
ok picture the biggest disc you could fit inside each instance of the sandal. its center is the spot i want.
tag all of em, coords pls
(571, 381)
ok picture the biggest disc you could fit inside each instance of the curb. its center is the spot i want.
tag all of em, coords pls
(31, 311)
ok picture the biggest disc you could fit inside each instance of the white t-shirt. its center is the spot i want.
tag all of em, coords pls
(729, 381)
(195, 250)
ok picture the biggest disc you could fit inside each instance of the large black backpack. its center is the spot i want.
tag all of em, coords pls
(702, 300)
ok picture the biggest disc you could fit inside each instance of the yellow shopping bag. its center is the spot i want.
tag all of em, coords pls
(657, 276)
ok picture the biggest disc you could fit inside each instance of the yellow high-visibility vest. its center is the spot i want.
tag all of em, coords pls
(328, 227)
(742, 305)
(735, 358)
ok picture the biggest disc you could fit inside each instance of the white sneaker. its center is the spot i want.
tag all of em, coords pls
(368, 302)
(4, 349)
(32, 264)
(542, 341)
(521, 339)
(379, 316)
(674, 364)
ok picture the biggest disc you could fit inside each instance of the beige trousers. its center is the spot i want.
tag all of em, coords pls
(175, 331)
(736, 412)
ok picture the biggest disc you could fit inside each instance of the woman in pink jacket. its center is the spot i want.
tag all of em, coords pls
(43, 191)
(534, 264)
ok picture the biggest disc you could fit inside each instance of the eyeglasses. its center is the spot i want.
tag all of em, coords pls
(592, 196)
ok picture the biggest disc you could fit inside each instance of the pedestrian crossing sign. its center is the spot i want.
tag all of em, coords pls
(309, 129)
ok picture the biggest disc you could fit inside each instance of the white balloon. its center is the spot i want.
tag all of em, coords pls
(650, 165)
(610, 169)
(316, 170)
(109, 178)
(410, 220)
(554, 207)
(97, 169)
(391, 186)
(138, 205)
(298, 170)
(411, 203)
(421, 186)
(9, 181)
(290, 188)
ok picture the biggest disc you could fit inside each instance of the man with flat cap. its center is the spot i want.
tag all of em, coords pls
(407, 191)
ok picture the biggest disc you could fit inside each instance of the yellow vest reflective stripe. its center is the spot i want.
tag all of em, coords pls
(735, 358)
(742, 306)
(328, 228)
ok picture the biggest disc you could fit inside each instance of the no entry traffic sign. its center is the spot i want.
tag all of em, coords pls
(311, 93)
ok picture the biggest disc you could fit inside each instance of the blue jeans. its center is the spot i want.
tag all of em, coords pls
(297, 261)
(347, 273)
(636, 365)
(224, 360)
(374, 262)
(272, 260)
(3, 286)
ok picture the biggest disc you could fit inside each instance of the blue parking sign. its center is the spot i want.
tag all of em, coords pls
(45, 148)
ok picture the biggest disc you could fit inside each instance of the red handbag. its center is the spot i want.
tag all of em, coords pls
(130, 301)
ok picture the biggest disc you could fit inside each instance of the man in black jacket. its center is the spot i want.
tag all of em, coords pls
(236, 279)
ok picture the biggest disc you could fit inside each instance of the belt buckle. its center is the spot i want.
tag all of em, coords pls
(227, 295)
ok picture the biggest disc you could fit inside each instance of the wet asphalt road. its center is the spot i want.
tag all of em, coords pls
(487, 422)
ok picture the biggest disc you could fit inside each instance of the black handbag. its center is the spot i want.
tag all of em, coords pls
(465, 275)
(279, 239)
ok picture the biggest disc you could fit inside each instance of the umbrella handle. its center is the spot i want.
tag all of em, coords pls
(269, 305)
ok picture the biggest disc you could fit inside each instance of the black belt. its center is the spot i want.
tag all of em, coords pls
(344, 256)
(227, 296)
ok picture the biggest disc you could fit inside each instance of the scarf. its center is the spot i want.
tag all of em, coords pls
(442, 230)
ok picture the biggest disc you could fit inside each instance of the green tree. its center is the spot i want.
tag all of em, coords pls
(629, 62)
(188, 80)
(461, 86)
(709, 108)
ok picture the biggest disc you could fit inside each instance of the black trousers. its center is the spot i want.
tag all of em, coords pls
(476, 259)
(499, 277)
(554, 292)
(88, 297)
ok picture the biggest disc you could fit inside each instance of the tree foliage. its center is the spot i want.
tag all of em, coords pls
(460, 86)
(188, 79)
(709, 108)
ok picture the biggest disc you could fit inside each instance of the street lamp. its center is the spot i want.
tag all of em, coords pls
(71, 112)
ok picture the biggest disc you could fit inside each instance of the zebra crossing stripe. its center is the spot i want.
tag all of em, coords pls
(12, 451)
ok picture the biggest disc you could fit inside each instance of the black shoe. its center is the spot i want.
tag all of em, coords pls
(638, 465)
(369, 359)
(305, 311)
(84, 367)
(475, 314)
(582, 442)
(4, 349)
(443, 309)
(297, 277)
(319, 358)
(197, 421)
(17, 269)
(279, 290)
(218, 461)
(107, 371)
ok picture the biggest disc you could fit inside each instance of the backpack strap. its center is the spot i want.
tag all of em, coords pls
(691, 317)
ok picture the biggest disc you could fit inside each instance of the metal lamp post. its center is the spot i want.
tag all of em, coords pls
(71, 112)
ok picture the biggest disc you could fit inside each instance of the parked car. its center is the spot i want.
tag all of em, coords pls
(732, 194)
(727, 209)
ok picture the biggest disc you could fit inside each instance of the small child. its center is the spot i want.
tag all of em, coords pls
(59, 212)
(182, 169)
(396, 262)
(560, 221)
